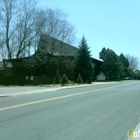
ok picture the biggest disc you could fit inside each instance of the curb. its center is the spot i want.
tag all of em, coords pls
(52, 89)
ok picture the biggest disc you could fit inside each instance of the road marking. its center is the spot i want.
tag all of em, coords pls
(57, 98)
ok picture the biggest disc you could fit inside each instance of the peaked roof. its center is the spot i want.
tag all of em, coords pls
(1, 65)
(54, 46)
(47, 43)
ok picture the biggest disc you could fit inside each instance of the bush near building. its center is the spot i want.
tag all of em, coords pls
(64, 80)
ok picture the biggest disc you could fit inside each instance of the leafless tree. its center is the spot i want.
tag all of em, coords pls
(21, 25)
(7, 24)
(29, 27)
(58, 27)
(3, 50)
(133, 62)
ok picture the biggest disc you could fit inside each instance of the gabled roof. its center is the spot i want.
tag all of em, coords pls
(1, 65)
(101, 73)
(97, 62)
(9, 65)
(51, 45)
(61, 49)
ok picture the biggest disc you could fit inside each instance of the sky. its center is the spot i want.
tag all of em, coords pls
(113, 24)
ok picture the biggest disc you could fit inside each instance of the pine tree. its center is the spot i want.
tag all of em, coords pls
(64, 80)
(103, 53)
(111, 65)
(79, 79)
(57, 78)
(124, 65)
(82, 63)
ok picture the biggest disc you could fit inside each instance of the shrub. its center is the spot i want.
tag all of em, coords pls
(64, 80)
(79, 79)
(57, 78)
(71, 82)
(41, 84)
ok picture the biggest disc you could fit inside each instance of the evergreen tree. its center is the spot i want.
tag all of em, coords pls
(57, 78)
(114, 66)
(124, 65)
(83, 63)
(64, 80)
(111, 66)
(103, 53)
(79, 79)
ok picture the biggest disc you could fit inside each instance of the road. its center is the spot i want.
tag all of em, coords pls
(101, 112)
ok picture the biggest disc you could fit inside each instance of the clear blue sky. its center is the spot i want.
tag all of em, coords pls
(113, 24)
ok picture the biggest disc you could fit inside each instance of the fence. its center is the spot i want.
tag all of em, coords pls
(25, 80)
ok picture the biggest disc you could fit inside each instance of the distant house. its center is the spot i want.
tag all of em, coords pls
(101, 77)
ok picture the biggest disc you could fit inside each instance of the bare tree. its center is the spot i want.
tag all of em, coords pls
(58, 27)
(29, 27)
(3, 50)
(133, 62)
(7, 17)
(22, 24)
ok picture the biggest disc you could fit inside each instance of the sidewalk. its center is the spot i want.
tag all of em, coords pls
(24, 90)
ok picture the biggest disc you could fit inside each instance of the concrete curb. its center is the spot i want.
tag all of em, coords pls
(52, 89)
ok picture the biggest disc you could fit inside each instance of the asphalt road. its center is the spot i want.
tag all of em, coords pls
(101, 112)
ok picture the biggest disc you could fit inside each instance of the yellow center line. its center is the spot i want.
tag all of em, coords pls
(57, 98)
